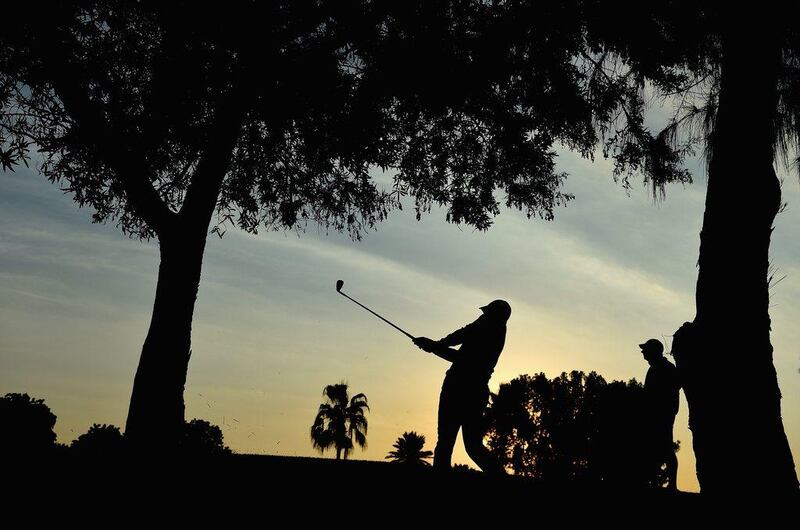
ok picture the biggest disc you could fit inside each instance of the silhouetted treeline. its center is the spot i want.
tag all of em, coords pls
(28, 424)
(574, 427)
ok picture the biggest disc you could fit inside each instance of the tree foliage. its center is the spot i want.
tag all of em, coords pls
(409, 449)
(27, 424)
(463, 102)
(168, 118)
(100, 440)
(735, 75)
(675, 49)
(574, 427)
(340, 423)
(202, 438)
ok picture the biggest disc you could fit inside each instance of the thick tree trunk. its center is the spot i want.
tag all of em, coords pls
(156, 413)
(725, 357)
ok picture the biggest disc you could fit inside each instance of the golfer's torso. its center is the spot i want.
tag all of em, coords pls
(662, 389)
(478, 356)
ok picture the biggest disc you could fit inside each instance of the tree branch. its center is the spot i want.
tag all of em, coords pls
(129, 168)
(114, 149)
(204, 188)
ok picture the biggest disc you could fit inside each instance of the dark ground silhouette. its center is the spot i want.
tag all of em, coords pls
(228, 488)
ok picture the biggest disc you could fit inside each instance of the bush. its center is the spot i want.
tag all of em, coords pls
(203, 438)
(27, 424)
(574, 427)
(101, 440)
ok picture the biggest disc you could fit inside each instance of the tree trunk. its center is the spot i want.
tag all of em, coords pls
(338, 453)
(156, 413)
(726, 361)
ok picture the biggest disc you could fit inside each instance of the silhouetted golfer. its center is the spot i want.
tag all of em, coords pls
(661, 386)
(465, 391)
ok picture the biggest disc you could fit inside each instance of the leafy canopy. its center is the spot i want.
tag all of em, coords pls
(463, 103)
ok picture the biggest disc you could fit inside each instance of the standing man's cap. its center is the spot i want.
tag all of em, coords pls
(498, 308)
(652, 345)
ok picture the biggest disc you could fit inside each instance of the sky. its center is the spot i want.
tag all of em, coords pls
(613, 269)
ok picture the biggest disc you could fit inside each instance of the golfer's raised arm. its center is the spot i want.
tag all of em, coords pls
(457, 337)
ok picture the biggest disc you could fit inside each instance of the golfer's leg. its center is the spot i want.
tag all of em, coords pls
(473, 430)
(672, 470)
(448, 425)
(672, 461)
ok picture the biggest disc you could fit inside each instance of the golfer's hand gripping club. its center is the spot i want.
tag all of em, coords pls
(426, 344)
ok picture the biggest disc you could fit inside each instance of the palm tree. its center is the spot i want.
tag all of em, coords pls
(408, 449)
(340, 421)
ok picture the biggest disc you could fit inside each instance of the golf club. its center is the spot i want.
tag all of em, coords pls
(340, 283)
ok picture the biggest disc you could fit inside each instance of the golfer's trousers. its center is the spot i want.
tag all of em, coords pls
(462, 404)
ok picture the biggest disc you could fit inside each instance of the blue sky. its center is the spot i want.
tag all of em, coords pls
(611, 270)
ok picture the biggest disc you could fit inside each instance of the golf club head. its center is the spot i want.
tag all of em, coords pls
(339, 284)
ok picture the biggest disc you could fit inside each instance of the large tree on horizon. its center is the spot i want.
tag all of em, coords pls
(736, 73)
(165, 118)
(171, 119)
(575, 427)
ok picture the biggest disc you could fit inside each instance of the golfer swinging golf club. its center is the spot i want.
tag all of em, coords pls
(465, 391)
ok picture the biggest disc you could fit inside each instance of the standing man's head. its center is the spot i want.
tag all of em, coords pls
(499, 310)
(652, 350)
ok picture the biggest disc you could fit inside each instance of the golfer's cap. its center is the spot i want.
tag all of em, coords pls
(499, 308)
(652, 345)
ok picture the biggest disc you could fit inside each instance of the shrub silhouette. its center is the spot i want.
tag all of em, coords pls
(101, 440)
(409, 450)
(27, 424)
(574, 427)
(203, 438)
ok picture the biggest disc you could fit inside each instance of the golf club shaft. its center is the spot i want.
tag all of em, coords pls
(404, 332)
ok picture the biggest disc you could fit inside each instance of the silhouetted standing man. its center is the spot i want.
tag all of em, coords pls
(465, 391)
(661, 386)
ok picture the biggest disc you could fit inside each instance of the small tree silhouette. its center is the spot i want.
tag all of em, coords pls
(203, 438)
(340, 421)
(409, 449)
(99, 440)
(27, 424)
(574, 427)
